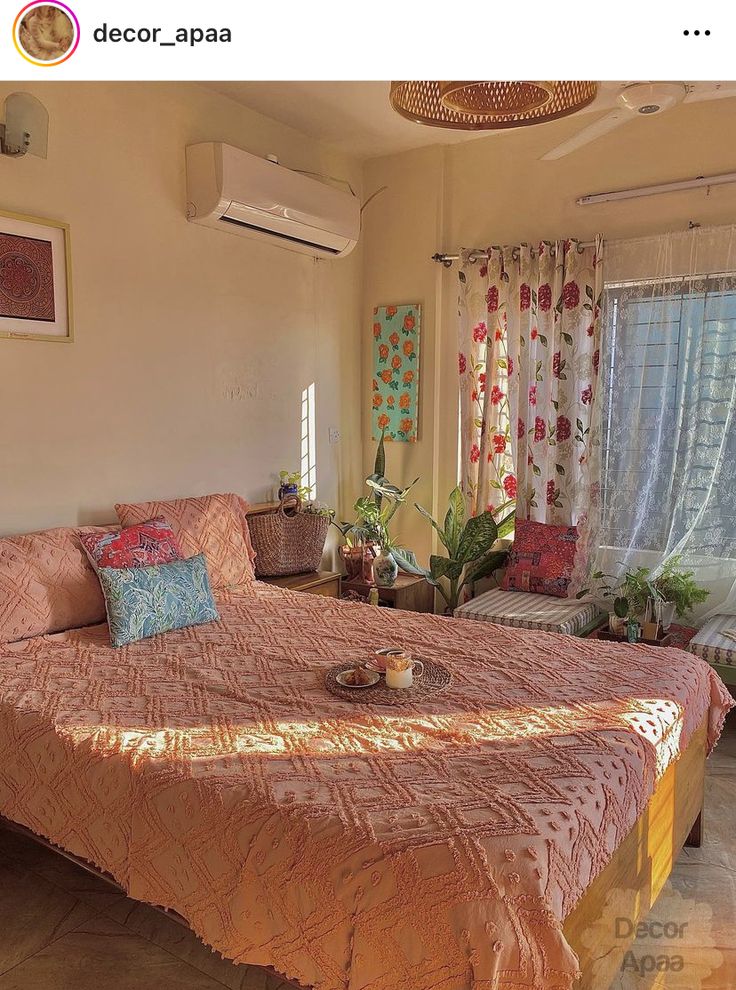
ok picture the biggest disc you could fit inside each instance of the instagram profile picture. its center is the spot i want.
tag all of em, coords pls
(46, 33)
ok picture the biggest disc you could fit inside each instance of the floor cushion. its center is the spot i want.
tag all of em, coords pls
(528, 611)
(710, 643)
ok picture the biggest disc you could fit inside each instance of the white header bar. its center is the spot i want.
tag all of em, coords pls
(379, 39)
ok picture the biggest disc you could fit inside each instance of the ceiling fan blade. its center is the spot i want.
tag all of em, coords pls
(608, 123)
(702, 91)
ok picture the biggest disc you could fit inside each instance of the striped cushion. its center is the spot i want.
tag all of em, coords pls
(529, 611)
(710, 643)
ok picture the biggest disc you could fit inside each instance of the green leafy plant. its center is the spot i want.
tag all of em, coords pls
(630, 594)
(675, 584)
(375, 512)
(294, 478)
(469, 545)
(304, 493)
(638, 587)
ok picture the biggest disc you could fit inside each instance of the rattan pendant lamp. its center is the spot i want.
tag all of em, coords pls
(488, 106)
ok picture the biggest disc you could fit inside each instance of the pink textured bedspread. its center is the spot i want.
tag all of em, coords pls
(349, 846)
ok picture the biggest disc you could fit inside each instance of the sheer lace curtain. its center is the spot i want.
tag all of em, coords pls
(668, 369)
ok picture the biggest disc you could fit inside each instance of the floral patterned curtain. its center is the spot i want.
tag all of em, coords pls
(487, 473)
(529, 357)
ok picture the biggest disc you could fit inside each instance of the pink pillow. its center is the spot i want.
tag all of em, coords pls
(151, 543)
(47, 585)
(214, 525)
(542, 559)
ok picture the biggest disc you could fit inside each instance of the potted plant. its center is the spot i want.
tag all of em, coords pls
(469, 544)
(290, 483)
(678, 591)
(367, 540)
(652, 600)
(373, 520)
(628, 597)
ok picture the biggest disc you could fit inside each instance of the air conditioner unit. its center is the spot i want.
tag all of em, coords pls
(229, 189)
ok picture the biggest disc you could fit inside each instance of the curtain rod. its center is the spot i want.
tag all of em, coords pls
(478, 254)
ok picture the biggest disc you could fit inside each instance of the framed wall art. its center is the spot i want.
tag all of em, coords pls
(395, 391)
(35, 278)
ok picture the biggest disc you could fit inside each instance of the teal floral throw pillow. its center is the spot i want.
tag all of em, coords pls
(143, 601)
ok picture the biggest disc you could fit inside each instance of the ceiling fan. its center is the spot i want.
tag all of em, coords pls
(641, 98)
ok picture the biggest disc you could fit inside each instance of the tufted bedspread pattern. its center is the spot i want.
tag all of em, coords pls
(347, 845)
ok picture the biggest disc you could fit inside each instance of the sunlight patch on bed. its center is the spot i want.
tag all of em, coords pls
(658, 721)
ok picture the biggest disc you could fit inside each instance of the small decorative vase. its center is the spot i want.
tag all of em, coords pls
(287, 489)
(385, 569)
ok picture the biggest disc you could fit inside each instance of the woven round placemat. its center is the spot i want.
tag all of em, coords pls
(435, 678)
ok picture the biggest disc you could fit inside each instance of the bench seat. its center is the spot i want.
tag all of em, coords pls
(529, 611)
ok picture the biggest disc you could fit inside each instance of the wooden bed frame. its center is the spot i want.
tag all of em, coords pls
(635, 875)
(640, 866)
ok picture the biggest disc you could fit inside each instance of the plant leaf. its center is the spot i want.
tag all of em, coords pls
(408, 563)
(445, 567)
(455, 520)
(487, 565)
(380, 464)
(440, 531)
(478, 537)
(506, 525)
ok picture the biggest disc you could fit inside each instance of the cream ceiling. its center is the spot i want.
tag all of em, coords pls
(356, 117)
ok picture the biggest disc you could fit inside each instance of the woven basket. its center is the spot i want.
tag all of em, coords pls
(288, 541)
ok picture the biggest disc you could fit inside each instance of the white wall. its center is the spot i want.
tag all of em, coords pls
(191, 346)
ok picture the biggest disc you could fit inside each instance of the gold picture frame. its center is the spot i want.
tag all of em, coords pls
(43, 256)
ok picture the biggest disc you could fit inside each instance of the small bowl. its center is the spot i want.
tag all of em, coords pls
(372, 674)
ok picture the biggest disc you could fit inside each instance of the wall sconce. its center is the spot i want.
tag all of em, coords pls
(26, 127)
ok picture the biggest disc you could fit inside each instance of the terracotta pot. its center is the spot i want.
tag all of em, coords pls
(353, 559)
(359, 562)
(370, 552)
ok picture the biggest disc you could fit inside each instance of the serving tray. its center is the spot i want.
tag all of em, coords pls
(436, 677)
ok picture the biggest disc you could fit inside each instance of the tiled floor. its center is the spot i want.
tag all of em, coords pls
(63, 929)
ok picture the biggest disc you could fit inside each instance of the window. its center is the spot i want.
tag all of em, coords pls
(669, 415)
(309, 441)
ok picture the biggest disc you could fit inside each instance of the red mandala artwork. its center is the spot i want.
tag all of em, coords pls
(26, 278)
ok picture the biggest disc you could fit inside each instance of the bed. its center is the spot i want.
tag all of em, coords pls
(453, 847)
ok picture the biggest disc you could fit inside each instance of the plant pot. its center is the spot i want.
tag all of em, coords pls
(353, 559)
(667, 614)
(385, 570)
(369, 555)
(616, 624)
(649, 630)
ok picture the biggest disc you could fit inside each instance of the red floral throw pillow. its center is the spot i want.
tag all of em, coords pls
(541, 559)
(145, 545)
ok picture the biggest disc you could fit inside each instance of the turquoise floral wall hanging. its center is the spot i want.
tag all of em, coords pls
(396, 334)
